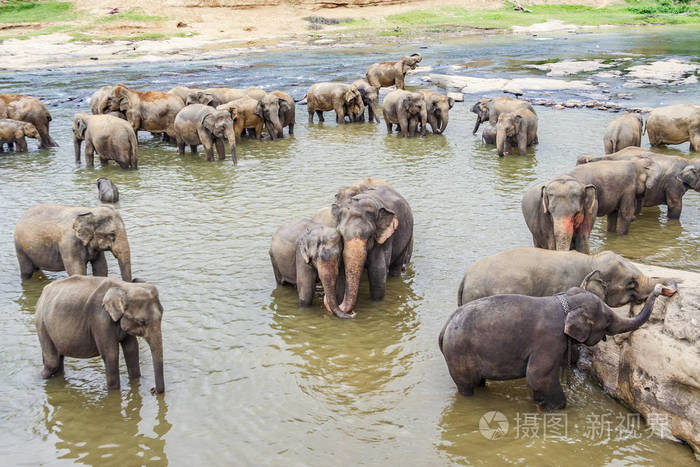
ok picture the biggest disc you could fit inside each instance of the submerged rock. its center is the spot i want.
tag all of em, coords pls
(671, 71)
(569, 67)
(655, 370)
(473, 85)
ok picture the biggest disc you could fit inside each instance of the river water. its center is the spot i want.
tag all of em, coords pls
(251, 378)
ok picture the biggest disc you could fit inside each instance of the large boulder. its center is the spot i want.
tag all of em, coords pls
(656, 370)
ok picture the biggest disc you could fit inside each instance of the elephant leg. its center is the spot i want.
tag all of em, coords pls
(276, 270)
(220, 149)
(193, 148)
(311, 116)
(130, 347)
(306, 281)
(320, 116)
(403, 124)
(340, 115)
(74, 266)
(291, 129)
(22, 144)
(181, 147)
(399, 265)
(464, 373)
(675, 206)
(543, 378)
(626, 213)
(110, 355)
(258, 131)
(389, 126)
(89, 153)
(26, 267)
(99, 265)
(377, 272)
(612, 222)
(53, 361)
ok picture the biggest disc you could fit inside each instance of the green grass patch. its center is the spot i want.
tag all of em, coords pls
(19, 11)
(147, 36)
(132, 15)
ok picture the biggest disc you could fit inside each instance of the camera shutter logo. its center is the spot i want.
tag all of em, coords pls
(493, 425)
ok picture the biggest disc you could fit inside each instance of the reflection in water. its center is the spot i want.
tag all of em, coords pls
(69, 413)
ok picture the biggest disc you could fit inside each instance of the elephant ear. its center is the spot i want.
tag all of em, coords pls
(595, 284)
(285, 106)
(545, 199)
(578, 324)
(122, 97)
(519, 122)
(450, 102)
(349, 95)
(114, 302)
(305, 247)
(84, 226)
(208, 121)
(590, 192)
(259, 110)
(387, 222)
(79, 127)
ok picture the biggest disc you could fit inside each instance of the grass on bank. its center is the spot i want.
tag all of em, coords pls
(21, 11)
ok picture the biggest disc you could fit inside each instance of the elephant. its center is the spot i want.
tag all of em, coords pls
(488, 109)
(31, 110)
(377, 230)
(152, 111)
(370, 98)
(109, 136)
(201, 97)
(183, 92)
(58, 238)
(677, 175)
(407, 110)
(83, 317)
(16, 132)
(674, 124)
(488, 134)
(226, 95)
(288, 111)
(438, 107)
(201, 124)
(246, 113)
(620, 188)
(539, 273)
(385, 74)
(324, 216)
(100, 103)
(517, 128)
(107, 191)
(345, 99)
(303, 253)
(271, 109)
(560, 213)
(624, 131)
(512, 336)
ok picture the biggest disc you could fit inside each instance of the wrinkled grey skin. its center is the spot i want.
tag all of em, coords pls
(107, 191)
(386, 74)
(539, 273)
(620, 188)
(31, 110)
(303, 253)
(201, 97)
(407, 110)
(201, 124)
(345, 99)
(560, 213)
(84, 317)
(488, 109)
(110, 137)
(370, 97)
(287, 112)
(513, 336)
(674, 124)
(677, 175)
(488, 134)
(516, 129)
(66, 238)
(183, 92)
(624, 131)
(438, 107)
(377, 230)
(16, 132)
(270, 109)
(100, 103)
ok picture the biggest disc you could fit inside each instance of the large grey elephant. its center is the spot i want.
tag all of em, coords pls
(623, 131)
(677, 175)
(560, 213)
(66, 238)
(345, 99)
(201, 124)
(84, 317)
(29, 109)
(438, 107)
(16, 132)
(385, 74)
(370, 97)
(303, 253)
(287, 111)
(488, 109)
(516, 129)
(270, 109)
(152, 111)
(201, 97)
(674, 124)
(539, 273)
(513, 336)
(110, 137)
(377, 230)
(407, 110)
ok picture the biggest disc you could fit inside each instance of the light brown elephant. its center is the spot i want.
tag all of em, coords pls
(152, 111)
(438, 107)
(29, 109)
(345, 99)
(200, 124)
(370, 97)
(385, 74)
(246, 113)
(287, 112)
(675, 124)
(204, 98)
(110, 137)
(15, 132)
(183, 91)
(624, 131)
(407, 110)
(100, 103)
(516, 129)
(488, 109)
(66, 238)
(230, 94)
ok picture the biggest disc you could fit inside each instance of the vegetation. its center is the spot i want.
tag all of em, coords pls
(20, 11)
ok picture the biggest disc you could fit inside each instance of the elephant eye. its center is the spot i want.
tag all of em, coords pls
(141, 322)
(632, 284)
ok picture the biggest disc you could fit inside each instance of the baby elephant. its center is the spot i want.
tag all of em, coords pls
(303, 252)
(513, 336)
(624, 131)
(84, 316)
(15, 132)
(201, 124)
(108, 136)
(488, 134)
(516, 129)
(107, 191)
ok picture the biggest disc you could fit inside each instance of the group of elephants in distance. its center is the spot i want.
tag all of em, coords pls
(511, 322)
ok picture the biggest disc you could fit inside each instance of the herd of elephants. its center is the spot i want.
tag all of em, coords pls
(510, 322)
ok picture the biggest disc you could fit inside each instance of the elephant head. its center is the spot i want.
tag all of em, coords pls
(268, 109)
(508, 127)
(124, 101)
(138, 311)
(370, 98)
(589, 320)
(438, 108)
(322, 247)
(414, 106)
(220, 124)
(690, 176)
(201, 97)
(618, 281)
(362, 221)
(79, 129)
(27, 129)
(410, 62)
(569, 204)
(481, 109)
(103, 229)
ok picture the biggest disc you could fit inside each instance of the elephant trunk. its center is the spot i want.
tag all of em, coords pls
(563, 232)
(619, 325)
(500, 142)
(647, 285)
(76, 146)
(477, 124)
(354, 256)
(155, 342)
(231, 137)
(328, 273)
(373, 107)
(424, 122)
(444, 119)
(122, 252)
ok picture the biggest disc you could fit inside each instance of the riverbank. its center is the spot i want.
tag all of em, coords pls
(55, 33)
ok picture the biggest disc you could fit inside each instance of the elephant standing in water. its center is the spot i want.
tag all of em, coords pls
(516, 129)
(58, 238)
(385, 74)
(304, 252)
(109, 136)
(287, 111)
(407, 110)
(345, 99)
(84, 317)
(201, 124)
(675, 124)
(438, 107)
(513, 336)
(560, 213)
(31, 110)
(539, 273)
(152, 111)
(377, 230)
(16, 132)
(488, 109)
(624, 131)
(370, 97)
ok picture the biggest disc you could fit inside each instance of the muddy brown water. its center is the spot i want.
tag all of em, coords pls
(251, 378)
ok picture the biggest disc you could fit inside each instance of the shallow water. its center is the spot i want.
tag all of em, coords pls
(251, 378)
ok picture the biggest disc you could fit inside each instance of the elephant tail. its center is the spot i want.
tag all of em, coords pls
(296, 101)
(442, 334)
(644, 127)
(459, 296)
(134, 151)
